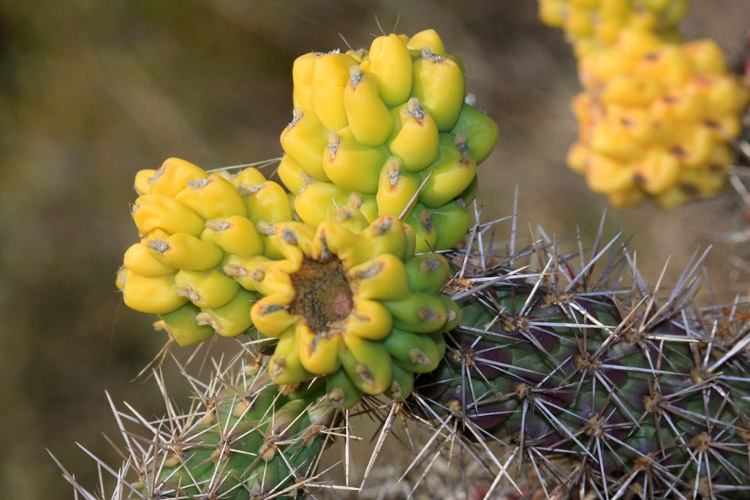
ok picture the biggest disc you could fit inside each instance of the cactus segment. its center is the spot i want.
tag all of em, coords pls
(623, 387)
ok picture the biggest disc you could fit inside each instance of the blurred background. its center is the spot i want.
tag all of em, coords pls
(93, 90)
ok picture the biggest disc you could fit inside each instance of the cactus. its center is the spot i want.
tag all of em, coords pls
(386, 131)
(346, 298)
(594, 383)
(597, 383)
(243, 437)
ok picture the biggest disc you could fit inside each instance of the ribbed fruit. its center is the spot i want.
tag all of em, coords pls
(355, 306)
(591, 25)
(656, 119)
(191, 225)
(370, 127)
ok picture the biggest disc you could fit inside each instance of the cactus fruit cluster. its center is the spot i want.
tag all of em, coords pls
(656, 116)
(656, 119)
(344, 298)
(386, 131)
(192, 227)
(591, 25)
(356, 307)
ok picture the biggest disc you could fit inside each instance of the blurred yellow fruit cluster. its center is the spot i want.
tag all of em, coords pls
(655, 118)
(386, 131)
(594, 24)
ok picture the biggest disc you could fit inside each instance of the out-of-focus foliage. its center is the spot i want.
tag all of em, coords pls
(92, 91)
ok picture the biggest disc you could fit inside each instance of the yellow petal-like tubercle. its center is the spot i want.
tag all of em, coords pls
(172, 176)
(212, 197)
(141, 261)
(155, 294)
(234, 235)
(350, 165)
(381, 278)
(330, 74)
(270, 315)
(415, 139)
(369, 118)
(318, 353)
(304, 140)
(159, 211)
(207, 289)
(390, 63)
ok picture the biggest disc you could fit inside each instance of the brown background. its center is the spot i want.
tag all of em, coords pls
(93, 90)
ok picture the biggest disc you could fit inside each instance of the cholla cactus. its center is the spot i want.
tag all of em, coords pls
(243, 437)
(594, 383)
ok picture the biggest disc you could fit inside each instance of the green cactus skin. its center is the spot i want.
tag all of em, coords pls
(634, 392)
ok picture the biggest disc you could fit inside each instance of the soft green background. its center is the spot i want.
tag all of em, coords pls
(93, 90)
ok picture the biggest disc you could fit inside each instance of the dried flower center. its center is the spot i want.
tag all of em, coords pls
(323, 295)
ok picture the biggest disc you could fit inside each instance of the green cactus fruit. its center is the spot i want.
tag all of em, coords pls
(377, 130)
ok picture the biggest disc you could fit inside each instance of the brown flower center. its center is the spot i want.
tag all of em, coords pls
(323, 295)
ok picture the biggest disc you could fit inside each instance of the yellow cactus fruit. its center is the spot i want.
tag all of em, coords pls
(335, 297)
(592, 25)
(151, 294)
(396, 188)
(212, 197)
(293, 177)
(655, 119)
(366, 135)
(159, 211)
(200, 247)
(173, 175)
(266, 202)
(343, 152)
(302, 72)
(427, 38)
(451, 173)
(142, 182)
(319, 201)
